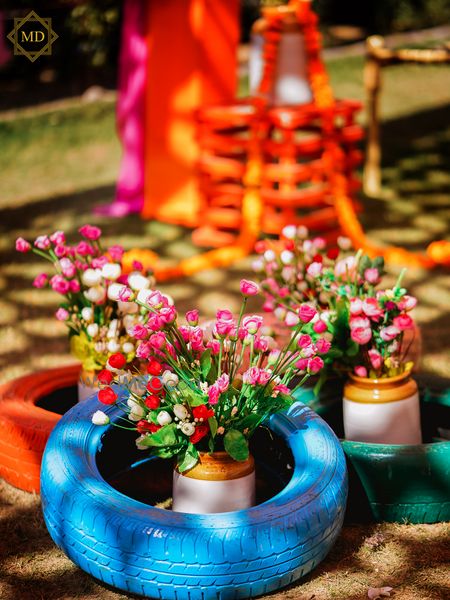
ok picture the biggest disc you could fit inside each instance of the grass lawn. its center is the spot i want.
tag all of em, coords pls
(55, 165)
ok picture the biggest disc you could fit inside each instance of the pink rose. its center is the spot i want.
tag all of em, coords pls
(222, 328)
(124, 294)
(155, 323)
(155, 299)
(22, 245)
(74, 286)
(196, 338)
(224, 315)
(362, 322)
(268, 306)
(192, 317)
(59, 284)
(304, 341)
(58, 238)
(90, 232)
(185, 332)
(315, 364)
(42, 242)
(291, 319)
(375, 358)
(116, 252)
(346, 268)
(139, 332)
(389, 333)
(403, 322)
(99, 262)
(213, 394)
(249, 288)
(262, 343)
(314, 269)
(264, 376)
(62, 314)
(168, 314)
(84, 249)
(361, 335)
(214, 345)
(282, 389)
(143, 350)
(223, 382)
(320, 326)
(307, 352)
(306, 313)
(302, 364)
(372, 276)
(322, 346)
(60, 251)
(136, 265)
(407, 303)
(372, 309)
(360, 371)
(355, 306)
(40, 281)
(252, 323)
(67, 267)
(157, 341)
(251, 376)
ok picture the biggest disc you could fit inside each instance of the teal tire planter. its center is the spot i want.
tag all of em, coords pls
(396, 483)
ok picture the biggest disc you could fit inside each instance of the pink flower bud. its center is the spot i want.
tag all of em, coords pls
(192, 317)
(372, 276)
(40, 281)
(403, 322)
(249, 288)
(322, 346)
(291, 319)
(90, 232)
(62, 314)
(304, 341)
(361, 335)
(315, 364)
(306, 313)
(58, 238)
(22, 245)
(320, 326)
(361, 371)
(42, 242)
(389, 333)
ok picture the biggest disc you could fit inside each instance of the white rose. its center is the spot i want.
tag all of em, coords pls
(96, 294)
(137, 281)
(114, 290)
(269, 255)
(113, 346)
(289, 232)
(138, 385)
(112, 328)
(180, 411)
(128, 321)
(127, 308)
(286, 257)
(280, 313)
(111, 271)
(91, 277)
(137, 411)
(128, 347)
(169, 299)
(164, 418)
(258, 265)
(187, 428)
(92, 330)
(170, 379)
(100, 418)
(87, 313)
(143, 296)
(139, 444)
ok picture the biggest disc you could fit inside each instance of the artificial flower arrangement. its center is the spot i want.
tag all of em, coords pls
(91, 280)
(209, 388)
(367, 325)
(369, 329)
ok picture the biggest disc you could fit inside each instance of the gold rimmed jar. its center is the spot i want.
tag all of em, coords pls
(383, 411)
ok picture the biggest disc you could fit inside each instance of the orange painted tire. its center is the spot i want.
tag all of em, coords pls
(25, 427)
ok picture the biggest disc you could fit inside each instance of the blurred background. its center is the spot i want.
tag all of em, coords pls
(60, 156)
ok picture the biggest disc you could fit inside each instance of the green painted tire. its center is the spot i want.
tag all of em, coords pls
(396, 483)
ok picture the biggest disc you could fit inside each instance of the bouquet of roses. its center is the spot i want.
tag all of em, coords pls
(208, 388)
(365, 325)
(96, 307)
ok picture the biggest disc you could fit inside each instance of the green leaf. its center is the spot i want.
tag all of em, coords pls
(187, 459)
(212, 421)
(166, 436)
(205, 362)
(352, 348)
(249, 421)
(168, 452)
(236, 445)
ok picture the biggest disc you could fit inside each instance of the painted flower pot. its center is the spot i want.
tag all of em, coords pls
(382, 411)
(216, 484)
(396, 483)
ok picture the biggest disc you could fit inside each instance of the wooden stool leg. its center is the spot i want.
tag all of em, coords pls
(372, 167)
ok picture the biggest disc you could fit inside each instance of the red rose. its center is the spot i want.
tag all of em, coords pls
(154, 367)
(333, 253)
(155, 385)
(107, 396)
(200, 432)
(153, 427)
(152, 402)
(289, 245)
(317, 258)
(105, 377)
(143, 426)
(202, 412)
(117, 361)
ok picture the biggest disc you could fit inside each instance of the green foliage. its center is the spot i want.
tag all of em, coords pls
(236, 445)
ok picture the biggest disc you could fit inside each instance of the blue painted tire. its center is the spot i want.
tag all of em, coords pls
(177, 556)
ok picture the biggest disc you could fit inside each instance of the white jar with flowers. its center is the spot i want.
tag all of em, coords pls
(208, 390)
(97, 308)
